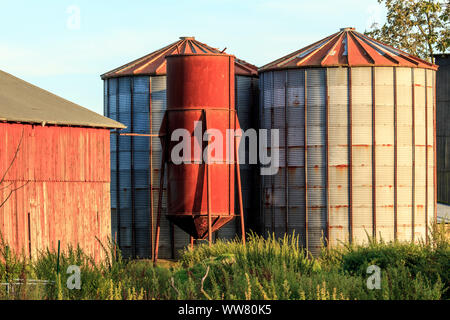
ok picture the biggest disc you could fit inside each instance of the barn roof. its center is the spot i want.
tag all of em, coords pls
(21, 101)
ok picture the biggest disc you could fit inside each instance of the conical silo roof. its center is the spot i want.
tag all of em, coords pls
(348, 48)
(155, 62)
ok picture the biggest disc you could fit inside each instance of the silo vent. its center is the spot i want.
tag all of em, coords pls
(187, 38)
(347, 29)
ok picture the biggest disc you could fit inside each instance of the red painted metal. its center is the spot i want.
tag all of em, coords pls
(348, 48)
(155, 62)
(200, 87)
(65, 174)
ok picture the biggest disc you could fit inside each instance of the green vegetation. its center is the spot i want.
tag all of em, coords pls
(419, 27)
(263, 269)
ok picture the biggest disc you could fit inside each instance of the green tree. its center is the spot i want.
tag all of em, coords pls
(419, 27)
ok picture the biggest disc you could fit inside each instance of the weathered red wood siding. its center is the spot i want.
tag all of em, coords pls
(68, 190)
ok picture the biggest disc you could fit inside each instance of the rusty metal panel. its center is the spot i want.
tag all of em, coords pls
(296, 152)
(404, 153)
(362, 153)
(384, 151)
(268, 182)
(419, 154)
(430, 145)
(338, 94)
(387, 130)
(186, 208)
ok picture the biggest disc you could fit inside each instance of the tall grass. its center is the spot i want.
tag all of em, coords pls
(266, 268)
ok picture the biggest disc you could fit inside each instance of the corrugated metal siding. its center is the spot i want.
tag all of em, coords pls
(419, 154)
(443, 128)
(404, 154)
(362, 104)
(316, 157)
(384, 152)
(67, 195)
(430, 146)
(338, 115)
(245, 103)
(284, 193)
(362, 206)
(158, 108)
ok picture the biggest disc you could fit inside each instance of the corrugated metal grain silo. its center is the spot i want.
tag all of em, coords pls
(135, 94)
(443, 127)
(350, 90)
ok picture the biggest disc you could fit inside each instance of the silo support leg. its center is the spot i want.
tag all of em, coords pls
(241, 207)
(158, 218)
(208, 182)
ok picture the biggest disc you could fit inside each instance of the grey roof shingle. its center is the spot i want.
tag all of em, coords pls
(21, 101)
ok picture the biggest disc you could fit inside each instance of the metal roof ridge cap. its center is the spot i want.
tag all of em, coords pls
(386, 52)
(155, 58)
(321, 45)
(276, 62)
(406, 54)
(331, 49)
(362, 45)
(201, 54)
(134, 62)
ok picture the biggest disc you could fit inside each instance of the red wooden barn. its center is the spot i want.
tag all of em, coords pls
(54, 171)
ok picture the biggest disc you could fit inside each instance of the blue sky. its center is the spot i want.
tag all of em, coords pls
(42, 43)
